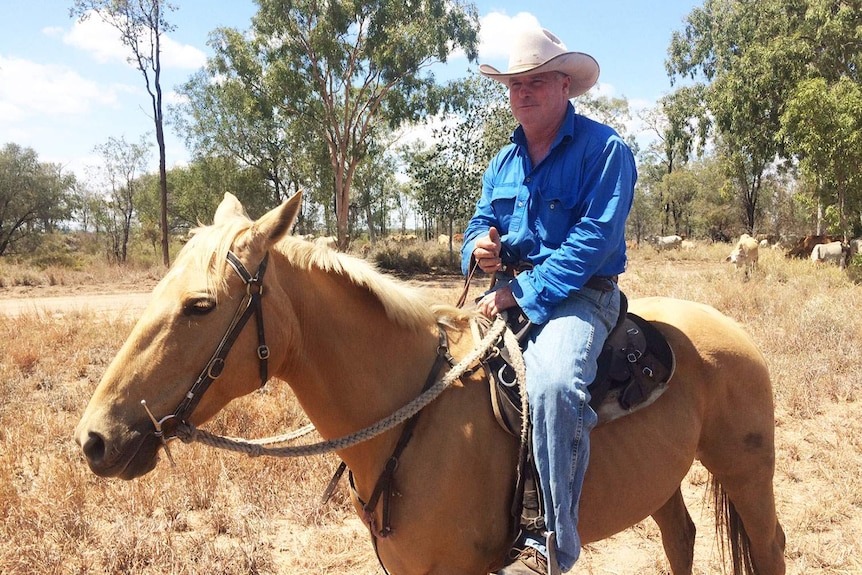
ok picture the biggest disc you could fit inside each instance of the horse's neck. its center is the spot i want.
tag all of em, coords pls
(351, 366)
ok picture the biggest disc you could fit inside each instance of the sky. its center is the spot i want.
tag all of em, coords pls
(65, 85)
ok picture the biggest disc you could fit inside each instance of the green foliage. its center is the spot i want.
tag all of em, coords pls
(854, 269)
(323, 77)
(823, 126)
(123, 165)
(35, 197)
(447, 177)
(751, 58)
(142, 26)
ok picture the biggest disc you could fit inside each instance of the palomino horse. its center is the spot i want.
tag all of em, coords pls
(356, 345)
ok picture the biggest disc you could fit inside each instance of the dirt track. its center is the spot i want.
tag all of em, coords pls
(122, 304)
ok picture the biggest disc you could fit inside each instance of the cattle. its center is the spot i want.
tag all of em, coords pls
(404, 239)
(855, 246)
(662, 243)
(803, 246)
(443, 240)
(745, 254)
(833, 252)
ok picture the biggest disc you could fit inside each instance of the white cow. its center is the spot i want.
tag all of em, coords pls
(833, 252)
(744, 254)
(662, 243)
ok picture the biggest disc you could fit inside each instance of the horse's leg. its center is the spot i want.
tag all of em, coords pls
(753, 501)
(677, 533)
(743, 464)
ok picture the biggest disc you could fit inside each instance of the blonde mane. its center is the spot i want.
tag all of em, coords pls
(406, 305)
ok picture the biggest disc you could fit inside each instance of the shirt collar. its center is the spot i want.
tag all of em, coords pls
(565, 133)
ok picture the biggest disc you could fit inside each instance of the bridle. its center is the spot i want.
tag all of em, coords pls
(250, 304)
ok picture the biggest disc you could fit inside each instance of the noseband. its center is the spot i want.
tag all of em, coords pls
(251, 304)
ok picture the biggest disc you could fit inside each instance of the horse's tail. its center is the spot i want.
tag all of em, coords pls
(730, 532)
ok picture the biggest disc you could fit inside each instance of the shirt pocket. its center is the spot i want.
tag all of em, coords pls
(556, 214)
(503, 200)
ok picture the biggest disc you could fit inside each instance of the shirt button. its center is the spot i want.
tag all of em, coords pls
(528, 180)
(553, 206)
(520, 204)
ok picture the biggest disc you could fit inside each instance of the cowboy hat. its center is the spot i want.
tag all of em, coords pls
(535, 51)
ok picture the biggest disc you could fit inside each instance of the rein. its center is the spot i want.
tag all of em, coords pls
(188, 432)
(251, 304)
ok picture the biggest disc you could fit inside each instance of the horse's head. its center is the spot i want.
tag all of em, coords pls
(173, 349)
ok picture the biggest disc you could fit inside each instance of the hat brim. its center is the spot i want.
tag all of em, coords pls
(581, 68)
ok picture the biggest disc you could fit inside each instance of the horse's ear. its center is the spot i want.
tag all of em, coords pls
(230, 207)
(276, 223)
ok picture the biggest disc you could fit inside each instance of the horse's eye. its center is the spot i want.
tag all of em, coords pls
(198, 306)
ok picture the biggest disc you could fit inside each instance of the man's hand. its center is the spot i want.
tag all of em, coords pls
(493, 303)
(487, 251)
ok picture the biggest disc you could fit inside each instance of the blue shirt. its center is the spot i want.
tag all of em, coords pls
(566, 216)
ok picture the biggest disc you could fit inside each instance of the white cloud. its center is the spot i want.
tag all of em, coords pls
(496, 32)
(29, 89)
(181, 56)
(103, 42)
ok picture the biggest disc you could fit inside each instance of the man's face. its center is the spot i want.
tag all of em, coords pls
(539, 100)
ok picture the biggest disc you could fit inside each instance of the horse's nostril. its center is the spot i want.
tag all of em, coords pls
(94, 448)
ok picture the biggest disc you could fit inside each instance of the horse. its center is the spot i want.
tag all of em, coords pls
(356, 345)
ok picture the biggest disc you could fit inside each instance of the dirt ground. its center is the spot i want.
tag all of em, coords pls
(801, 474)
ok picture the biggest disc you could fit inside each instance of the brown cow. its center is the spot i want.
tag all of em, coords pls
(804, 245)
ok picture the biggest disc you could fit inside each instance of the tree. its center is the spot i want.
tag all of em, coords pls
(341, 70)
(823, 125)
(378, 189)
(123, 165)
(750, 54)
(227, 111)
(34, 196)
(141, 24)
(681, 126)
(448, 175)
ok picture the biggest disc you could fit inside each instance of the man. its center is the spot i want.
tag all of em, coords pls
(554, 203)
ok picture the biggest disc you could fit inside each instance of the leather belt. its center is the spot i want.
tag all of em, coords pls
(602, 283)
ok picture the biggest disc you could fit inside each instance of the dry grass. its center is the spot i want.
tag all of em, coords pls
(222, 513)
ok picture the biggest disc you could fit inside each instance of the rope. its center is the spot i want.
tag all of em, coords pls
(189, 433)
(516, 359)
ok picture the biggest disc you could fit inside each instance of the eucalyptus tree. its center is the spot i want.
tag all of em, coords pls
(376, 189)
(141, 24)
(34, 196)
(823, 125)
(339, 71)
(755, 60)
(227, 110)
(448, 175)
(123, 164)
(748, 56)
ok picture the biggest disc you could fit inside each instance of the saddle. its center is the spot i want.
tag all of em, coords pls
(634, 368)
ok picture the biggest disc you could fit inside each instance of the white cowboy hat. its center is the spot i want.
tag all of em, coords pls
(537, 50)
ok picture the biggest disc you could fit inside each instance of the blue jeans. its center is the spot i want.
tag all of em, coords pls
(560, 357)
